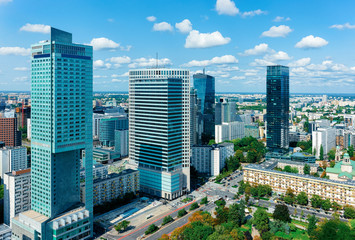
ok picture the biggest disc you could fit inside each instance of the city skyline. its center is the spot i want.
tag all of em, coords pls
(234, 40)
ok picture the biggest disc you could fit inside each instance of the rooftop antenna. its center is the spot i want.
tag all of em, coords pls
(157, 61)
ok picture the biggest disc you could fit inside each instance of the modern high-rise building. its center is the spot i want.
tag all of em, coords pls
(277, 99)
(12, 159)
(107, 129)
(205, 87)
(61, 118)
(159, 130)
(225, 111)
(196, 121)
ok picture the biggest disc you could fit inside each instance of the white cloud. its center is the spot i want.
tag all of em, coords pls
(226, 7)
(300, 62)
(110, 20)
(280, 19)
(204, 40)
(280, 31)
(118, 80)
(21, 69)
(185, 26)
(126, 48)
(149, 62)
(226, 59)
(253, 13)
(277, 56)
(103, 43)
(163, 26)
(102, 64)
(100, 76)
(261, 62)
(15, 51)
(343, 26)
(311, 42)
(238, 78)
(151, 19)
(120, 60)
(257, 50)
(5, 1)
(21, 79)
(39, 28)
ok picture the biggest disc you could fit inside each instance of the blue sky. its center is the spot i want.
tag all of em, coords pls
(233, 40)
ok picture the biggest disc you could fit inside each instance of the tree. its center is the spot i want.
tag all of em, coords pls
(237, 234)
(220, 202)
(332, 164)
(331, 154)
(302, 198)
(122, 226)
(334, 229)
(167, 220)
(316, 201)
(281, 213)
(289, 196)
(182, 213)
(196, 230)
(306, 169)
(221, 214)
(321, 153)
(252, 157)
(349, 212)
(237, 213)
(164, 237)
(326, 204)
(152, 228)
(204, 200)
(312, 225)
(194, 206)
(261, 220)
(287, 168)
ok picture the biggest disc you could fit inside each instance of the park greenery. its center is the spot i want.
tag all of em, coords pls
(122, 226)
(255, 191)
(288, 169)
(306, 146)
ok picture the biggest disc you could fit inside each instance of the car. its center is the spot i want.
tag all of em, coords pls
(149, 216)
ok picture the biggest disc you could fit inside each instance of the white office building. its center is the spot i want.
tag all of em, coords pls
(229, 131)
(210, 160)
(159, 130)
(12, 159)
(17, 193)
(323, 137)
(5, 232)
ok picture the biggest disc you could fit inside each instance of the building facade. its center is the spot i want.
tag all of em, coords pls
(121, 142)
(229, 131)
(337, 191)
(225, 111)
(17, 193)
(12, 159)
(108, 127)
(210, 159)
(61, 118)
(323, 137)
(113, 186)
(277, 100)
(8, 132)
(205, 88)
(159, 133)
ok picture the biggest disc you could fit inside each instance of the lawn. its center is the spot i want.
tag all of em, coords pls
(300, 223)
(298, 234)
(246, 227)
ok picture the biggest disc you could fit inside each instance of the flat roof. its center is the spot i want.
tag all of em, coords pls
(35, 216)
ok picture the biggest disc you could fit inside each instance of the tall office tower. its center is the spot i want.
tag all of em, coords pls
(61, 118)
(225, 111)
(12, 159)
(205, 87)
(159, 130)
(9, 133)
(196, 121)
(107, 129)
(277, 100)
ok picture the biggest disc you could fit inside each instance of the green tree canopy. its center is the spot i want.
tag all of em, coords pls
(281, 213)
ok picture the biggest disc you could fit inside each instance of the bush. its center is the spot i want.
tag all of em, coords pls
(349, 212)
(167, 220)
(204, 200)
(122, 225)
(152, 228)
(182, 213)
(194, 206)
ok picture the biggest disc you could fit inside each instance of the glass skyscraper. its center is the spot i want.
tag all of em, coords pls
(61, 118)
(159, 130)
(277, 99)
(205, 87)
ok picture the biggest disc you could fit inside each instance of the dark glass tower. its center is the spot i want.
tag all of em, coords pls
(277, 99)
(205, 87)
